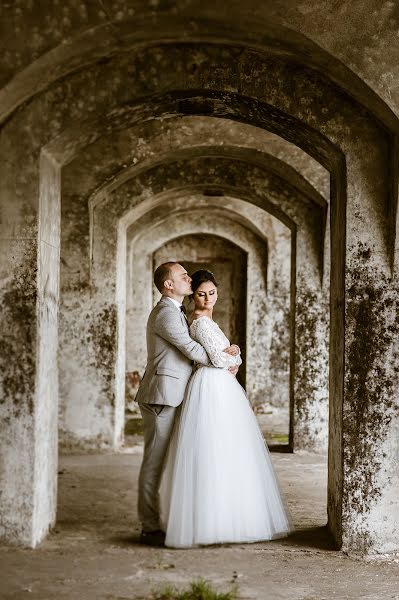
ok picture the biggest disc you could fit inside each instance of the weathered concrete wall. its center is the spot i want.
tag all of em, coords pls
(17, 343)
(370, 422)
(311, 368)
(28, 354)
(87, 359)
(46, 384)
(281, 93)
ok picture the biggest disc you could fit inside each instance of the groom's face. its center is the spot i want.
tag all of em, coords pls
(181, 281)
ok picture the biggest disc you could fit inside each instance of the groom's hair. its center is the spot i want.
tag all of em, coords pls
(162, 273)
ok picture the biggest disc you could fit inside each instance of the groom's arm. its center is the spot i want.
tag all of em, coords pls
(169, 326)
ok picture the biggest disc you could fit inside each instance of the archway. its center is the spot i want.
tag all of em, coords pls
(372, 187)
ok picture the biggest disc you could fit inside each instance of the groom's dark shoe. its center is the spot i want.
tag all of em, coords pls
(152, 538)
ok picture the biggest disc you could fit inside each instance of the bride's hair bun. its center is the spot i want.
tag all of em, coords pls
(202, 276)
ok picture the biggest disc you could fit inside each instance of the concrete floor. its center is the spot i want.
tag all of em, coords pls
(93, 553)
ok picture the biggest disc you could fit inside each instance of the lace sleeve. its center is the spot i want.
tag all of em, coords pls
(205, 334)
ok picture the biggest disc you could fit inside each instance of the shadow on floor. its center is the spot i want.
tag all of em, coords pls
(281, 448)
(125, 540)
(313, 537)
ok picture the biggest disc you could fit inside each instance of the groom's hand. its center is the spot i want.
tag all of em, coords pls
(233, 370)
(233, 350)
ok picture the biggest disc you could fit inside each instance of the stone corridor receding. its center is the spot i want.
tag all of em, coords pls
(261, 141)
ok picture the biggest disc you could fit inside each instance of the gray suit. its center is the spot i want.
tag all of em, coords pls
(170, 353)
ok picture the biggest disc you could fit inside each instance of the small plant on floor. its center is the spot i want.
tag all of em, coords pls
(199, 590)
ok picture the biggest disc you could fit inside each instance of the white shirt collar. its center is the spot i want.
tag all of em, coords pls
(175, 302)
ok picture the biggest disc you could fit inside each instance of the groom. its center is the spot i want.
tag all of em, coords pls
(170, 354)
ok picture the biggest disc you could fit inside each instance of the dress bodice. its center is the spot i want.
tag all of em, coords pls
(207, 332)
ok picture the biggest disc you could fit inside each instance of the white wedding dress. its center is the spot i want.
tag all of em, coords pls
(219, 483)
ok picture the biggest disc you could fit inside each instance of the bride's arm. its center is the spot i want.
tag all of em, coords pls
(205, 335)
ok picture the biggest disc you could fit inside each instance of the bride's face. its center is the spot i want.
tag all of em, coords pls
(205, 296)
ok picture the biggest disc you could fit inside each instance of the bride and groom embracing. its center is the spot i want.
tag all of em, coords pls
(218, 483)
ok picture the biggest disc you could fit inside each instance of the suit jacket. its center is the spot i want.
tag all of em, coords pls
(170, 352)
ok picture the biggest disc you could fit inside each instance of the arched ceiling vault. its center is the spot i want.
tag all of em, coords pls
(141, 233)
(331, 130)
(213, 174)
(252, 157)
(226, 192)
(237, 211)
(119, 150)
(98, 41)
(207, 103)
(135, 197)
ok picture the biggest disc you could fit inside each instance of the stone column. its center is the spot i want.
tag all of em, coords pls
(29, 311)
(370, 410)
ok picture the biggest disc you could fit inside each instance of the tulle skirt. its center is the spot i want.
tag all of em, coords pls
(219, 484)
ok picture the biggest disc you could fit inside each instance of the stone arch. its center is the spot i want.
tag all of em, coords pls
(366, 179)
(266, 36)
(268, 303)
(198, 104)
(143, 241)
(103, 193)
(139, 143)
(229, 261)
(221, 175)
(255, 158)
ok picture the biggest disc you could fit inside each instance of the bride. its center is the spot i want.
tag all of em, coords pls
(219, 484)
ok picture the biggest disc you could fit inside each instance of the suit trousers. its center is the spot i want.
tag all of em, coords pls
(158, 426)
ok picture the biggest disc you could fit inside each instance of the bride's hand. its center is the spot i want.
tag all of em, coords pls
(233, 350)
